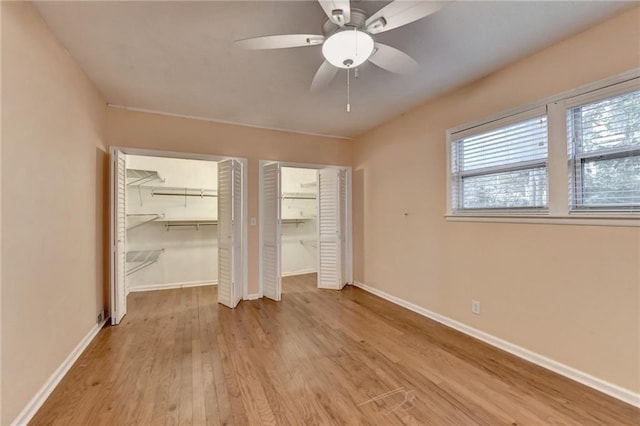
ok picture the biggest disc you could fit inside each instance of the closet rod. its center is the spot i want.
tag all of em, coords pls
(197, 225)
(184, 195)
(293, 221)
(297, 198)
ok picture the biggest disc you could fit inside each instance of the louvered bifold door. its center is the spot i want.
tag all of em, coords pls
(329, 235)
(271, 279)
(238, 259)
(225, 233)
(344, 243)
(118, 236)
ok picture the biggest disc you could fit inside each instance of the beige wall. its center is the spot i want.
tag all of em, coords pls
(132, 129)
(53, 174)
(568, 292)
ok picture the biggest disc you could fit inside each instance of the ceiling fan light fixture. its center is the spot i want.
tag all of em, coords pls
(348, 49)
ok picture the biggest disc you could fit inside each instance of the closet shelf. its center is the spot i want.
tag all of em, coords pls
(140, 177)
(152, 218)
(143, 258)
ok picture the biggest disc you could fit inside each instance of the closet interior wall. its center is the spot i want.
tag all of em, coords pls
(171, 209)
(299, 221)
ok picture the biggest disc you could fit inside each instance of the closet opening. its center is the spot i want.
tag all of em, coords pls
(176, 221)
(299, 224)
(305, 227)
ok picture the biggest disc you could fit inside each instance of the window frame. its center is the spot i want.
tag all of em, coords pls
(522, 165)
(576, 160)
(558, 160)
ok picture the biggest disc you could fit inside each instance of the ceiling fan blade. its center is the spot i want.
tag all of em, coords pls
(399, 13)
(280, 41)
(392, 59)
(324, 76)
(331, 6)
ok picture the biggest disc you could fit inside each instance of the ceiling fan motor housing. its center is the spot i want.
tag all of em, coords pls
(358, 19)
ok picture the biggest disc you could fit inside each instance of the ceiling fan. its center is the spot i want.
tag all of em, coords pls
(347, 37)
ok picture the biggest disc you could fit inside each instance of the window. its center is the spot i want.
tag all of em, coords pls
(604, 153)
(570, 158)
(501, 168)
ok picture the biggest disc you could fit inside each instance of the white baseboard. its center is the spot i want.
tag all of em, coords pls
(300, 272)
(167, 286)
(603, 386)
(253, 296)
(41, 396)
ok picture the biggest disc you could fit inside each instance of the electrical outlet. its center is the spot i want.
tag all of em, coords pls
(475, 307)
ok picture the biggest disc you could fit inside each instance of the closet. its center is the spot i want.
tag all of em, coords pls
(305, 225)
(171, 218)
(176, 222)
(299, 207)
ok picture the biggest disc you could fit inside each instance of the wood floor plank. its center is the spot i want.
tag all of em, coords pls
(175, 379)
(155, 402)
(207, 340)
(318, 357)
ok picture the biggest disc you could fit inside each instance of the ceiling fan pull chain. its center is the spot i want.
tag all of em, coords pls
(355, 33)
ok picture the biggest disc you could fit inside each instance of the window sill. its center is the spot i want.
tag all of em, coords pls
(575, 219)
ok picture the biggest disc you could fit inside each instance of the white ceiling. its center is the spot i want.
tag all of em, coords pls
(178, 57)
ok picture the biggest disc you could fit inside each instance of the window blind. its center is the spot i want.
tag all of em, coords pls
(604, 154)
(502, 168)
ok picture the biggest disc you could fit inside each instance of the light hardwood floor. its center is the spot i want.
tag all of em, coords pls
(317, 357)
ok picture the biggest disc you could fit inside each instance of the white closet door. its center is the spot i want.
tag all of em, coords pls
(118, 236)
(229, 228)
(238, 259)
(329, 231)
(271, 275)
(344, 259)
